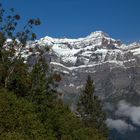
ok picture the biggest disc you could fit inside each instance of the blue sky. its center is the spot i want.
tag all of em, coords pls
(78, 18)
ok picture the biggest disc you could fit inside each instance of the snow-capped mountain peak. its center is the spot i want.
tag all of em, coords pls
(98, 34)
(94, 49)
(112, 64)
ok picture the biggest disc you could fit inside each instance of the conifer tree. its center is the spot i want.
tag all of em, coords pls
(90, 110)
(42, 91)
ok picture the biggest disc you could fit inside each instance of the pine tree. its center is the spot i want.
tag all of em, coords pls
(42, 90)
(90, 110)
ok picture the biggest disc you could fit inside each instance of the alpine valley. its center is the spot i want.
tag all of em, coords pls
(114, 67)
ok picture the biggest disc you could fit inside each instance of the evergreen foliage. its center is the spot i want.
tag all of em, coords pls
(18, 118)
(90, 110)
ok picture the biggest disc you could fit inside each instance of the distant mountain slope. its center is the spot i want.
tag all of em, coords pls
(112, 64)
(114, 67)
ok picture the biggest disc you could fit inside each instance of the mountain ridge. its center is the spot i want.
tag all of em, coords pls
(95, 55)
(96, 48)
(113, 65)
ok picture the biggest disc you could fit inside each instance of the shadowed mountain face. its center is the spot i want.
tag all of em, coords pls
(114, 67)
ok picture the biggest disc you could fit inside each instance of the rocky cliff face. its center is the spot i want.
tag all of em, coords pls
(114, 66)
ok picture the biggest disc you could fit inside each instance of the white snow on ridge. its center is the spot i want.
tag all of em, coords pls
(64, 51)
(118, 63)
(136, 51)
(95, 49)
(93, 36)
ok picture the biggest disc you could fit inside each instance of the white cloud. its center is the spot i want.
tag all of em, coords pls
(119, 125)
(127, 110)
